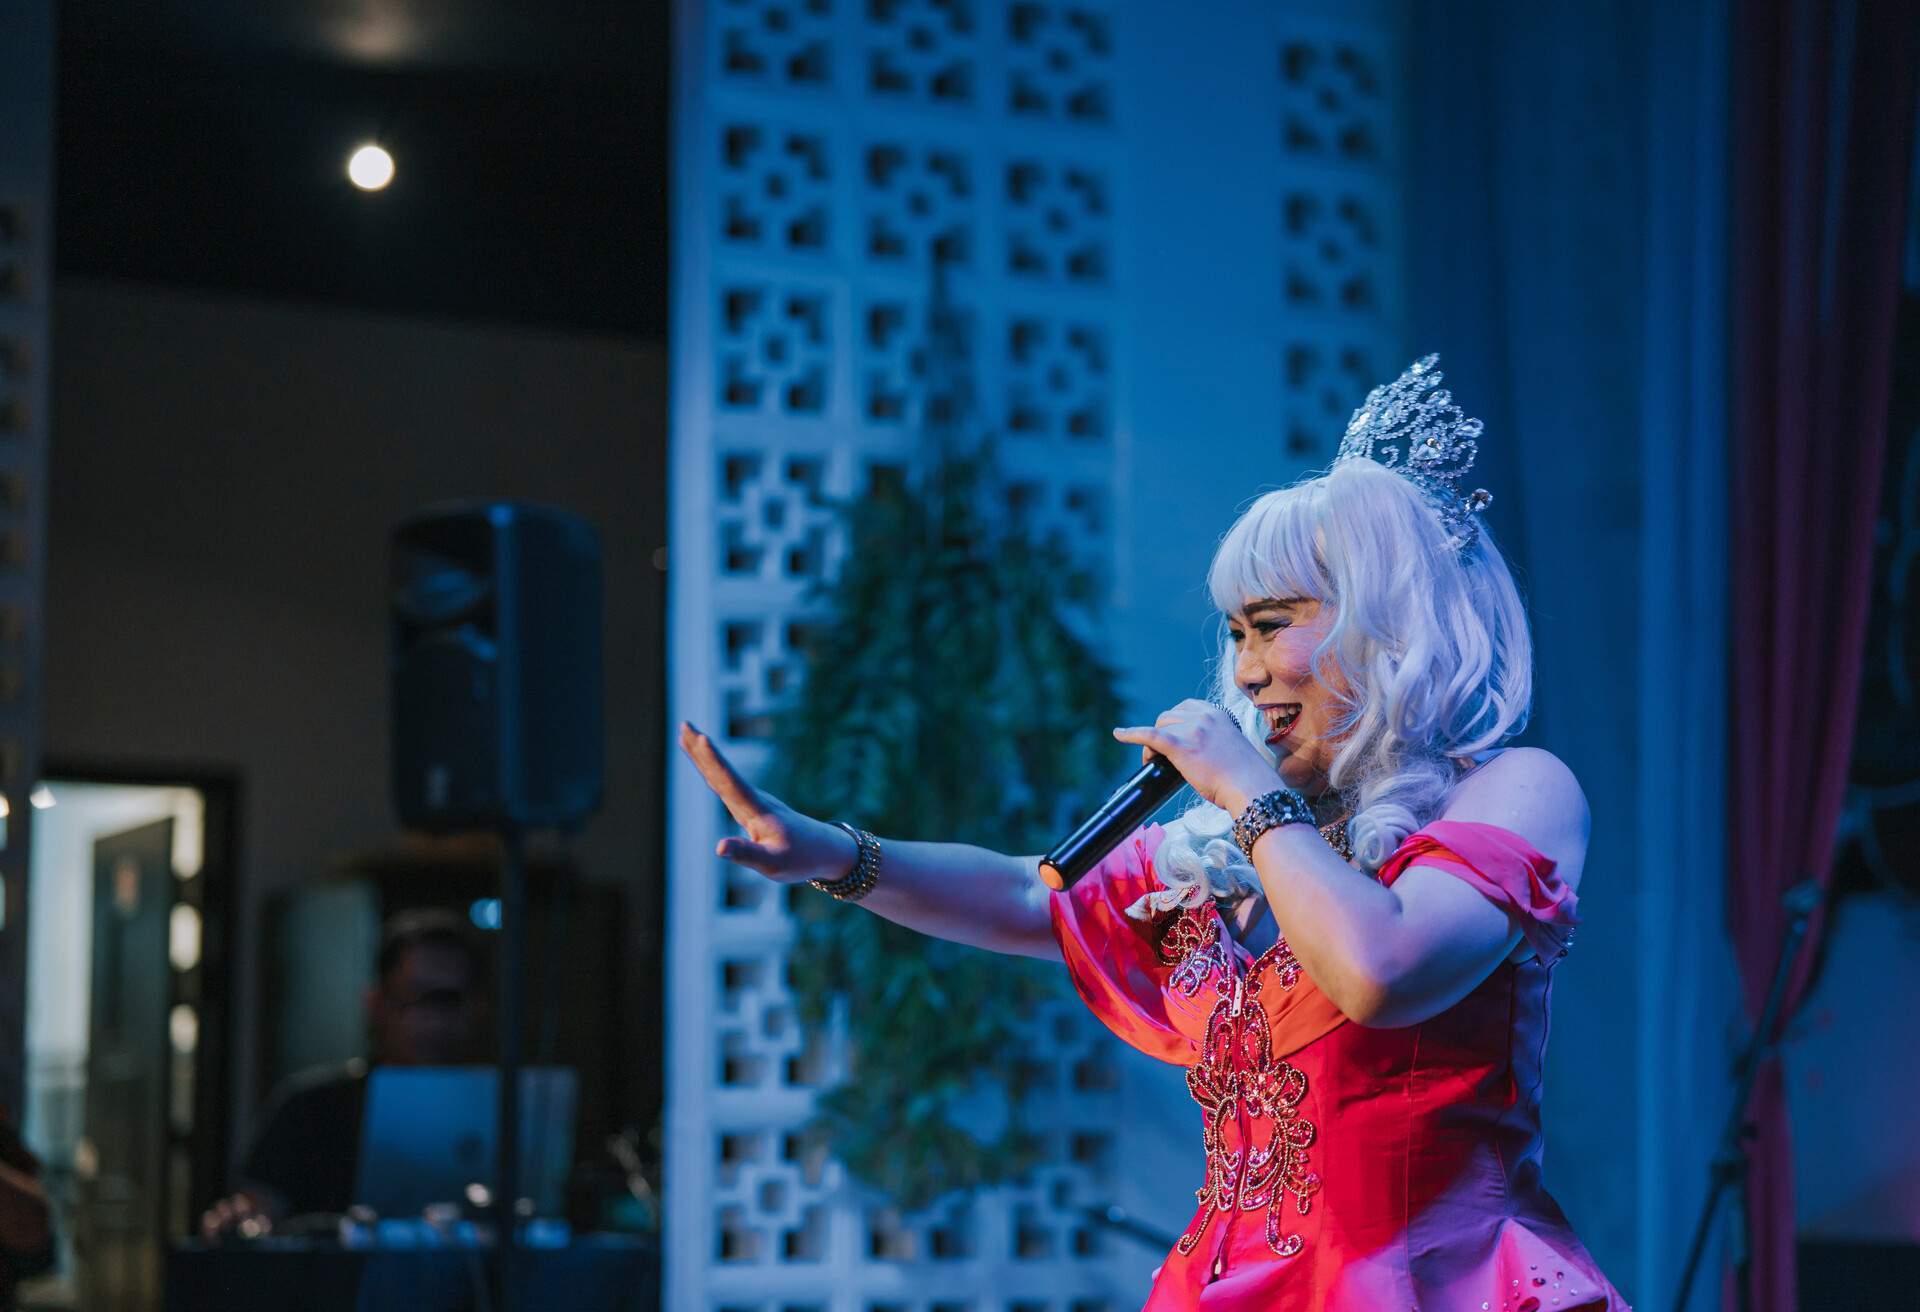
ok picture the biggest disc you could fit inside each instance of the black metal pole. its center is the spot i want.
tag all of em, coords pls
(513, 945)
(1729, 1167)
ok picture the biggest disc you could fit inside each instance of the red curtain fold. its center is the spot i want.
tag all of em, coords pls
(1823, 119)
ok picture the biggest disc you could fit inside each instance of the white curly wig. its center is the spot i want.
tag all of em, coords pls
(1431, 644)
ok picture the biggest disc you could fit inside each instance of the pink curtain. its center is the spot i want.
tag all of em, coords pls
(1823, 118)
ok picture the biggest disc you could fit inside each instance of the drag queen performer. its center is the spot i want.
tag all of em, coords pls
(1367, 1057)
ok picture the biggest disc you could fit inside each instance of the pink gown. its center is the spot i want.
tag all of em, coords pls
(1348, 1169)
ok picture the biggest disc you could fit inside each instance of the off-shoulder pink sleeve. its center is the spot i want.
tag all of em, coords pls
(1112, 958)
(1506, 869)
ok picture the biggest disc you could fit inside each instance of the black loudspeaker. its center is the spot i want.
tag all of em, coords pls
(496, 668)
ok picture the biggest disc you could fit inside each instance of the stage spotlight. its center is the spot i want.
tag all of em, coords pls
(370, 168)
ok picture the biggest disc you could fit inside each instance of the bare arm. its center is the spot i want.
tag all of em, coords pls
(1396, 956)
(1384, 956)
(948, 890)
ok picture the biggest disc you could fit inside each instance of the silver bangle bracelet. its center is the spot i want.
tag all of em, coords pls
(1282, 806)
(859, 881)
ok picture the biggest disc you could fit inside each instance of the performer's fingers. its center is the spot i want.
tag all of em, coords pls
(1150, 739)
(1191, 711)
(742, 802)
(1182, 717)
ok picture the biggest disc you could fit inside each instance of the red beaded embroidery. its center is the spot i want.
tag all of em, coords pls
(1191, 944)
(1280, 959)
(1237, 1075)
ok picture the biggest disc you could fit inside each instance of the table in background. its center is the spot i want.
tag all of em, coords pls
(595, 1273)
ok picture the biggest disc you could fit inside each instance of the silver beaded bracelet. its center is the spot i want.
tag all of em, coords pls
(859, 881)
(1282, 806)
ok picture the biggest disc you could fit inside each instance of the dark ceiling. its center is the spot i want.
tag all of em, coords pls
(203, 143)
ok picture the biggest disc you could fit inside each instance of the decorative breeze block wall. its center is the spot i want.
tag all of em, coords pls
(1338, 223)
(835, 154)
(836, 160)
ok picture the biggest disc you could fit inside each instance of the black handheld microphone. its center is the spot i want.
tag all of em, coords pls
(1135, 800)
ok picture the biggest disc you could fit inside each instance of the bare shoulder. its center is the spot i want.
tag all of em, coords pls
(1531, 792)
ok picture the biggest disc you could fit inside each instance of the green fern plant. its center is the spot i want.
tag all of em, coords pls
(949, 694)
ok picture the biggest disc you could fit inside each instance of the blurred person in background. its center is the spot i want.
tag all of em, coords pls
(428, 1007)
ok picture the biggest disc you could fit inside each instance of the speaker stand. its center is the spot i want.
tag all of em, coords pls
(513, 951)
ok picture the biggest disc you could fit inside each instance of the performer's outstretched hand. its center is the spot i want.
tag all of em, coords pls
(780, 843)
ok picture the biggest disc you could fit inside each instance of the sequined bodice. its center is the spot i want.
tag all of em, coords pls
(1348, 1168)
(1256, 1140)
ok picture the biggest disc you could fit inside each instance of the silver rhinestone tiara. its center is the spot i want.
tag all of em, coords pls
(1412, 426)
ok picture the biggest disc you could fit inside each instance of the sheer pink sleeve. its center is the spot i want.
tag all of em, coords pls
(1114, 962)
(1505, 869)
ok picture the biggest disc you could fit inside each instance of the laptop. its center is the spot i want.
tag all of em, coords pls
(427, 1133)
